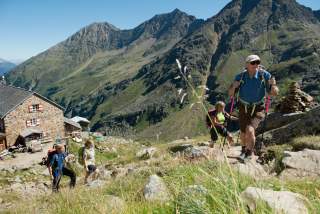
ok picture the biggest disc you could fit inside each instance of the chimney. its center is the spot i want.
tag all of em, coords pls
(3, 81)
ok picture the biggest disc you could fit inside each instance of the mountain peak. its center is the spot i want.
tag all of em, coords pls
(175, 23)
(105, 25)
(177, 11)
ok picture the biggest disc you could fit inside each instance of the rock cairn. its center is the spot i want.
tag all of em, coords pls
(295, 101)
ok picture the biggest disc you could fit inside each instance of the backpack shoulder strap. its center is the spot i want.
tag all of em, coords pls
(262, 79)
(242, 77)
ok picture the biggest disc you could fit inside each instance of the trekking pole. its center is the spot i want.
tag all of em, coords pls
(268, 101)
(231, 110)
(261, 144)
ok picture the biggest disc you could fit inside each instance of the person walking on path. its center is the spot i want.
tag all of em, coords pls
(217, 122)
(57, 168)
(250, 87)
(89, 161)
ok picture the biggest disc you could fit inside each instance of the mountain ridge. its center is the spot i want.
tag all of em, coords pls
(135, 71)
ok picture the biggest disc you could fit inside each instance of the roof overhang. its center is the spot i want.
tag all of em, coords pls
(29, 131)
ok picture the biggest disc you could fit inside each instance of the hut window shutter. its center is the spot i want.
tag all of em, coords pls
(30, 108)
(40, 108)
(28, 123)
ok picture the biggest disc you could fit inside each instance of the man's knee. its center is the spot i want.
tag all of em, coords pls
(250, 130)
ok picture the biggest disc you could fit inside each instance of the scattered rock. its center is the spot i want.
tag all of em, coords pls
(119, 172)
(156, 190)
(206, 143)
(252, 169)
(180, 148)
(10, 169)
(198, 152)
(96, 184)
(233, 152)
(45, 172)
(146, 153)
(17, 179)
(16, 187)
(303, 163)
(34, 172)
(104, 173)
(281, 201)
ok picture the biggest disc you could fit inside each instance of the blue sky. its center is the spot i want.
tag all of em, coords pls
(30, 27)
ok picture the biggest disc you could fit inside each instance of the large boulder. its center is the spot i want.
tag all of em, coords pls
(156, 190)
(277, 120)
(306, 125)
(280, 201)
(302, 164)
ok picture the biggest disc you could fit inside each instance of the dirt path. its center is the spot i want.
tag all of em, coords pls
(25, 160)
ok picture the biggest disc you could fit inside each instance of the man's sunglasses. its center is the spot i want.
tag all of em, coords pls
(255, 62)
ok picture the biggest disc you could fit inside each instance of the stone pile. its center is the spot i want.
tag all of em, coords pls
(296, 101)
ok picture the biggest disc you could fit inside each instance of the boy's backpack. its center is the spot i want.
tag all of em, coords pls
(46, 160)
(81, 155)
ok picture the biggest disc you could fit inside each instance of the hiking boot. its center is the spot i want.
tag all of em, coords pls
(245, 156)
(242, 157)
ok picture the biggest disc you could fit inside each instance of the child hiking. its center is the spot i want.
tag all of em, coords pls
(217, 123)
(89, 161)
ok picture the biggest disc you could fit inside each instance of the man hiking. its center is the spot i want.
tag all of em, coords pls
(252, 85)
(57, 168)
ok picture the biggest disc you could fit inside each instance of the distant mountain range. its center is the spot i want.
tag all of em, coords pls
(126, 81)
(5, 66)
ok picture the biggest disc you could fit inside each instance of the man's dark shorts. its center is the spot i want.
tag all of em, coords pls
(245, 118)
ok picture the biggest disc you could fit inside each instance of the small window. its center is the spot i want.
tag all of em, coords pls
(33, 122)
(35, 108)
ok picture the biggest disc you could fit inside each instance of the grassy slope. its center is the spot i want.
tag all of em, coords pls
(104, 67)
(223, 185)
